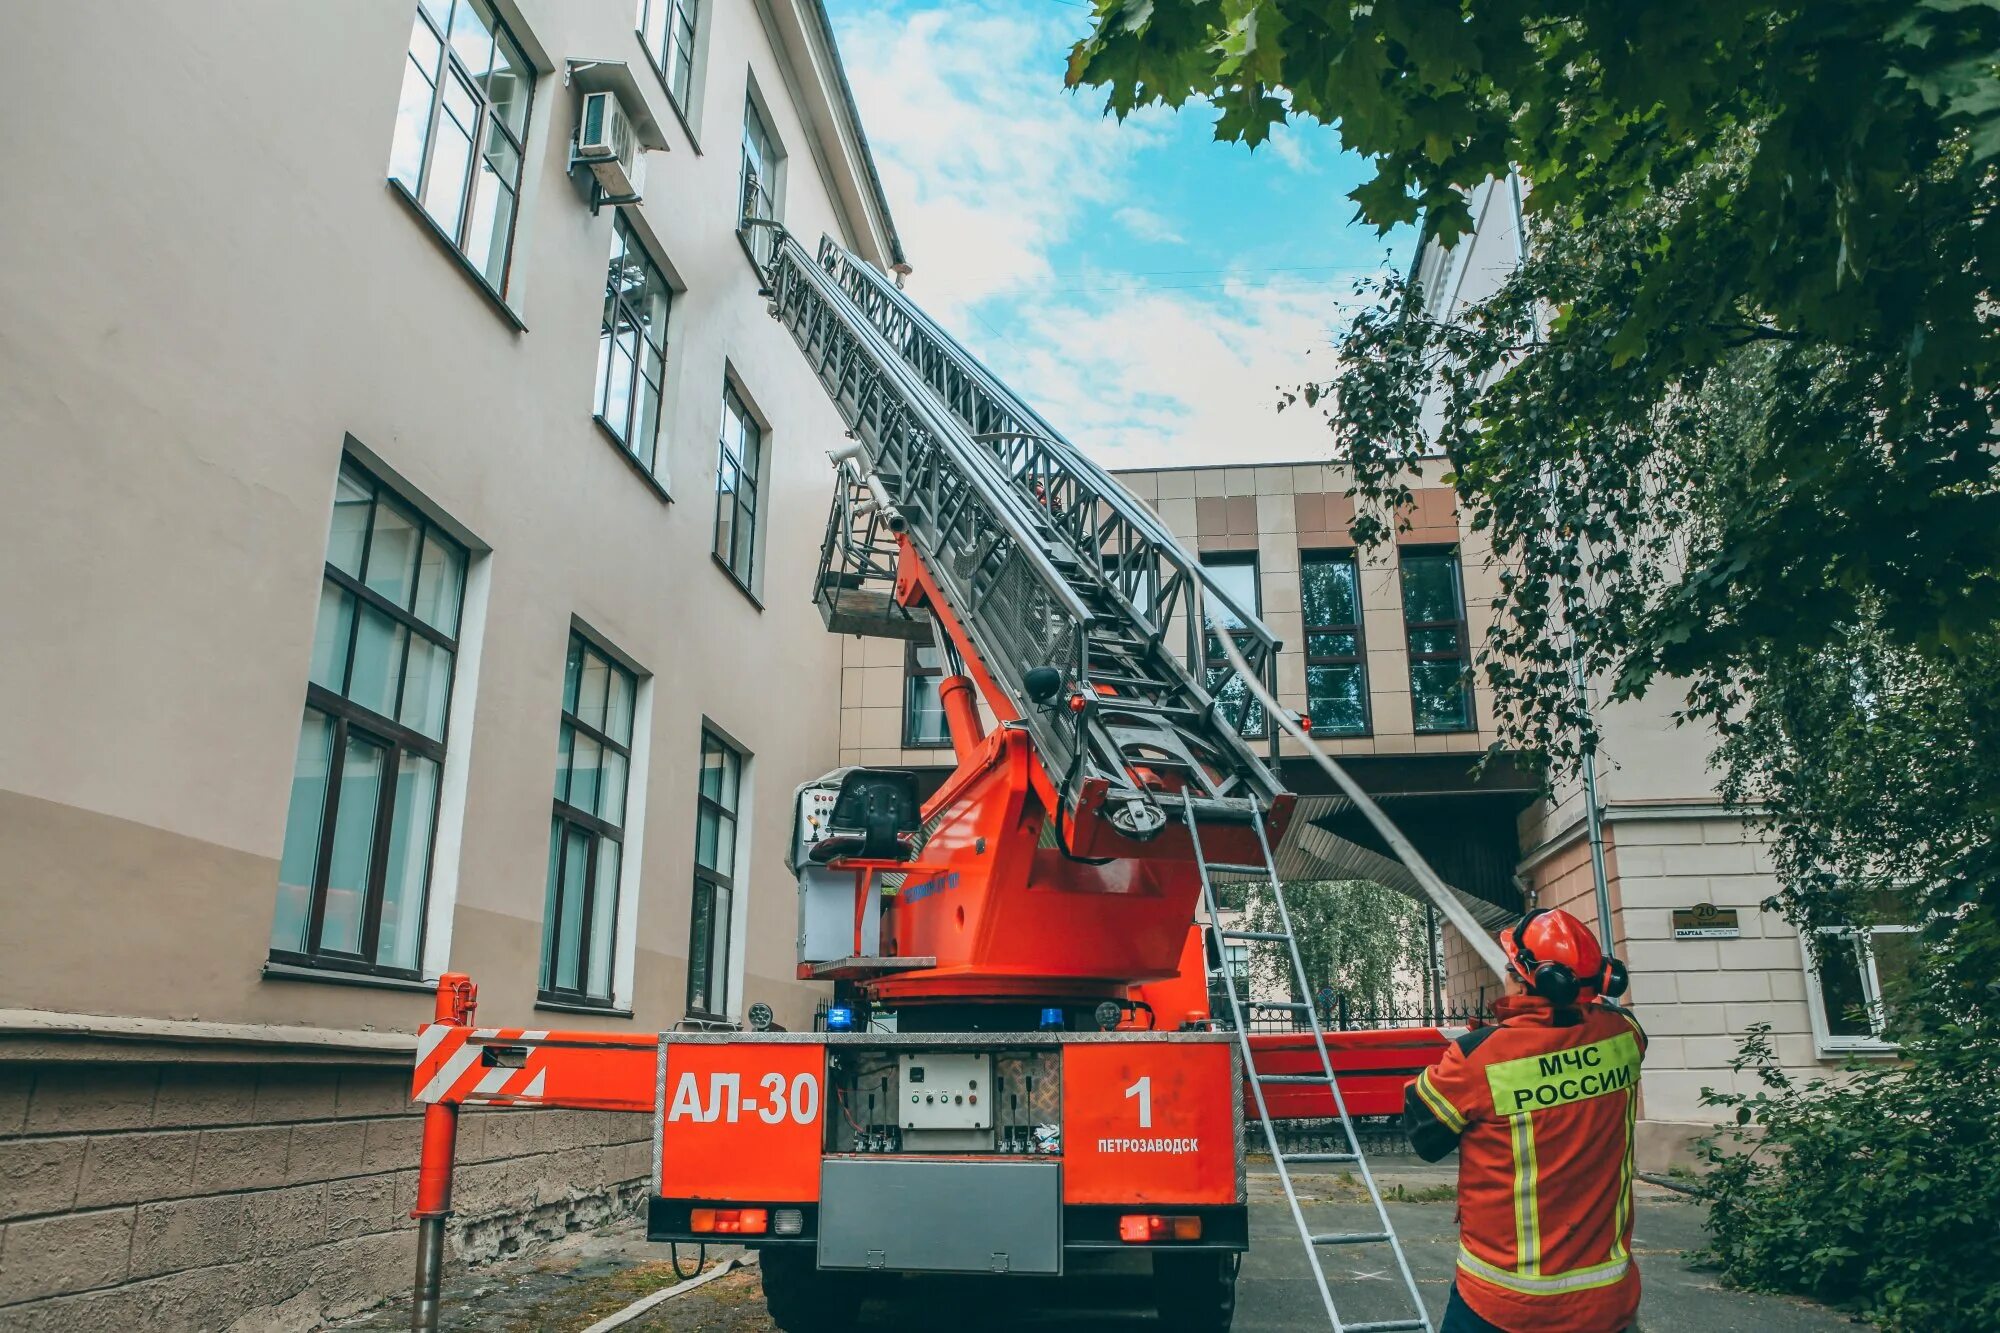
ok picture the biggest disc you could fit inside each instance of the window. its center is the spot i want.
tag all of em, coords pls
(1236, 574)
(923, 707)
(1857, 983)
(632, 346)
(461, 128)
(716, 805)
(1434, 619)
(1336, 677)
(1236, 963)
(355, 869)
(759, 183)
(666, 30)
(736, 489)
(587, 834)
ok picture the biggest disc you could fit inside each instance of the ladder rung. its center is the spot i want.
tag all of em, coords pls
(1352, 1238)
(1324, 1157)
(1387, 1326)
(1115, 704)
(1293, 1078)
(1293, 1005)
(1272, 936)
(1122, 682)
(1220, 868)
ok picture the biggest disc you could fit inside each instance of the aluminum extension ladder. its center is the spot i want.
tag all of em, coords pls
(1315, 1242)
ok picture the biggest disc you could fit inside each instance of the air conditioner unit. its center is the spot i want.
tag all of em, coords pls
(608, 145)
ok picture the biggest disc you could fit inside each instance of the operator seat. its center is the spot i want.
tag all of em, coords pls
(875, 817)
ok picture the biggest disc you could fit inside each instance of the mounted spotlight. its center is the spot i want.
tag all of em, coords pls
(760, 1016)
(1043, 683)
(1108, 1014)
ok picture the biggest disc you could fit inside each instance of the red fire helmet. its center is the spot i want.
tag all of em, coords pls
(1548, 935)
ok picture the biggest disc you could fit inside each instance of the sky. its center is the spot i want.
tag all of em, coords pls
(1148, 289)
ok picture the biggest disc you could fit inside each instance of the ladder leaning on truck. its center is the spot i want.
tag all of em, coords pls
(1038, 933)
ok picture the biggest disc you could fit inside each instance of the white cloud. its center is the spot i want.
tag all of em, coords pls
(1160, 378)
(988, 164)
(1290, 148)
(1146, 225)
(991, 169)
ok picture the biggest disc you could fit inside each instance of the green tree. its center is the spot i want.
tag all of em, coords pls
(1731, 428)
(1365, 941)
(1732, 422)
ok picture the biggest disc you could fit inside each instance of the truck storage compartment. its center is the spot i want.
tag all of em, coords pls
(941, 1217)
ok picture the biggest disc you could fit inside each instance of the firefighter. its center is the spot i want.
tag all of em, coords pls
(1540, 1107)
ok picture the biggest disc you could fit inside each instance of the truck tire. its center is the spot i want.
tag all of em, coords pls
(802, 1299)
(1195, 1293)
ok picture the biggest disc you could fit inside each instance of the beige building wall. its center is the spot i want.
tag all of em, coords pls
(208, 292)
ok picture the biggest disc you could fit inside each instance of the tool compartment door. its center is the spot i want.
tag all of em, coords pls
(740, 1120)
(1152, 1122)
(941, 1216)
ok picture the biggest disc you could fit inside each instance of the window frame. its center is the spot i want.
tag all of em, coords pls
(674, 9)
(758, 179)
(1861, 939)
(393, 736)
(1358, 658)
(914, 670)
(1236, 968)
(452, 66)
(616, 306)
(566, 816)
(1460, 625)
(1214, 661)
(734, 404)
(708, 880)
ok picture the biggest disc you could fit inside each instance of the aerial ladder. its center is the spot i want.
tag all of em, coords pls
(1024, 1074)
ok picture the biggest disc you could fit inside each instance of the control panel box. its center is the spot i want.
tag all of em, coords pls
(945, 1090)
(826, 896)
(813, 819)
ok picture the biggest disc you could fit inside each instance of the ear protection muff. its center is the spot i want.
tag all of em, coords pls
(1552, 981)
(1615, 980)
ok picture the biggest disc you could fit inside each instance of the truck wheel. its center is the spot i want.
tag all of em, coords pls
(1195, 1293)
(802, 1299)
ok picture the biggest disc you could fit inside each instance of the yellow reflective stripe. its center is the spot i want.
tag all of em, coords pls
(1624, 1180)
(1439, 1107)
(1527, 1210)
(1577, 1279)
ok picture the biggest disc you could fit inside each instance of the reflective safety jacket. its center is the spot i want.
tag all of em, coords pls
(1540, 1108)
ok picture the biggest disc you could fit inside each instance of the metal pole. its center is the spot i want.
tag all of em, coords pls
(1434, 964)
(430, 1275)
(1593, 816)
(457, 997)
(1592, 813)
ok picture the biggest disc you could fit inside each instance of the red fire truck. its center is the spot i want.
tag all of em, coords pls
(1026, 1071)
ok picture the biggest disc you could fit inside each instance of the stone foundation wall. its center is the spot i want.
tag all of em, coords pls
(202, 1196)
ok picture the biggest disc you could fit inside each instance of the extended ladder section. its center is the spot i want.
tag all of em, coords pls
(1300, 1011)
(1041, 557)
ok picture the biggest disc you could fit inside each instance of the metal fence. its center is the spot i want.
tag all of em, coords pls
(1380, 1136)
(1337, 1014)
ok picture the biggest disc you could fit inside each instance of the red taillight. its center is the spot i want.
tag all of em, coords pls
(730, 1221)
(1146, 1228)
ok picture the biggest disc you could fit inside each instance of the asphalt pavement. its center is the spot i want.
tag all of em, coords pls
(590, 1277)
